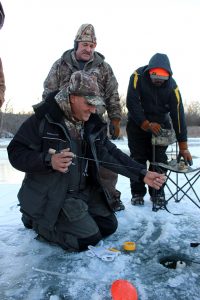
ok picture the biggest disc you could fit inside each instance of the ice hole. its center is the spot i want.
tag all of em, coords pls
(174, 262)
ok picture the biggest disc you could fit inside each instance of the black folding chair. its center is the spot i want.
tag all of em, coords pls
(181, 179)
(181, 187)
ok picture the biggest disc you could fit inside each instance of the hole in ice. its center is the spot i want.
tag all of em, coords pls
(174, 262)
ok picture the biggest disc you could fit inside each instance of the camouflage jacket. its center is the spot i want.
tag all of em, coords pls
(62, 69)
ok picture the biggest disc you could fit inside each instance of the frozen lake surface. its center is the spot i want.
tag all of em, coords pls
(32, 270)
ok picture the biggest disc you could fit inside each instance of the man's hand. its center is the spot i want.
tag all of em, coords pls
(114, 128)
(152, 127)
(62, 160)
(185, 153)
(154, 179)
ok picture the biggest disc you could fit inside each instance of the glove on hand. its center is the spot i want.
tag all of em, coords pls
(102, 253)
(185, 153)
(153, 127)
(114, 128)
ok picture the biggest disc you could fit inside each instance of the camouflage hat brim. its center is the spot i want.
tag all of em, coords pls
(94, 100)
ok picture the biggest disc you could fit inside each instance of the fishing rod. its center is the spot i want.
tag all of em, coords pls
(53, 151)
(101, 161)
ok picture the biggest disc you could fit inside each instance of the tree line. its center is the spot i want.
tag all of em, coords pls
(10, 121)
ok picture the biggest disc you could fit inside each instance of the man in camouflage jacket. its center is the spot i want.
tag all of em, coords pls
(84, 57)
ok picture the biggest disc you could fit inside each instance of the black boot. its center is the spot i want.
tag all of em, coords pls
(118, 204)
(27, 221)
(137, 199)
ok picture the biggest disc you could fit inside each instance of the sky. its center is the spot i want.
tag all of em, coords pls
(32, 270)
(129, 33)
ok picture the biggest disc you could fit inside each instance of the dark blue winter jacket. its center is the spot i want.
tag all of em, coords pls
(146, 101)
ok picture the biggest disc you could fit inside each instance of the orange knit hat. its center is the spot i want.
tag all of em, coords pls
(159, 73)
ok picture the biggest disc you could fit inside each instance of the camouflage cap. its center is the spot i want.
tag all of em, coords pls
(85, 84)
(62, 95)
(86, 33)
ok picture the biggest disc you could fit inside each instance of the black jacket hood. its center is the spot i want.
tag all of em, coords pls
(49, 106)
(159, 60)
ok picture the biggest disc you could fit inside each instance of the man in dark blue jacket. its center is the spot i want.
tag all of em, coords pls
(153, 98)
(61, 148)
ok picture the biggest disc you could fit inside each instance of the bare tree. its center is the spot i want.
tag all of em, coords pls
(193, 114)
(8, 109)
(10, 122)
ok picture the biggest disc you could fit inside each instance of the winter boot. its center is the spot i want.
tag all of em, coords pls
(137, 199)
(27, 221)
(159, 202)
(118, 204)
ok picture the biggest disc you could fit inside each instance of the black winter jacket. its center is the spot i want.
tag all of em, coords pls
(146, 101)
(43, 189)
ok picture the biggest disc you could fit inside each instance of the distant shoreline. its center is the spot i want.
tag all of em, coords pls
(193, 133)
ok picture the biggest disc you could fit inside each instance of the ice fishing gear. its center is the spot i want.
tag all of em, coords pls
(100, 161)
(65, 275)
(165, 138)
(129, 246)
(181, 169)
(101, 252)
(157, 197)
(123, 290)
(177, 166)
